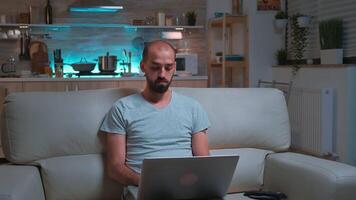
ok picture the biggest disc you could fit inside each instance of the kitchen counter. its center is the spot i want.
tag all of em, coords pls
(10, 85)
(95, 79)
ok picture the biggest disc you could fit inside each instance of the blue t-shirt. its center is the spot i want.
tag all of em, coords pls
(155, 132)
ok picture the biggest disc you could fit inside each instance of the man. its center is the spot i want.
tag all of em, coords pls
(155, 123)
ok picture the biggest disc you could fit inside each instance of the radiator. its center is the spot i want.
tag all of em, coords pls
(311, 113)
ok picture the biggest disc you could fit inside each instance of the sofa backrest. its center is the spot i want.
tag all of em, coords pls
(244, 117)
(39, 125)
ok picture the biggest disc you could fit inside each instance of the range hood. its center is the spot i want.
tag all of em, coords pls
(89, 6)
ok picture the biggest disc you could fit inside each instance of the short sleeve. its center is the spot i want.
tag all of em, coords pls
(200, 119)
(114, 121)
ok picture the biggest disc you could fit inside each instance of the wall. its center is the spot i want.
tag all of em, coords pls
(342, 80)
(351, 150)
(93, 42)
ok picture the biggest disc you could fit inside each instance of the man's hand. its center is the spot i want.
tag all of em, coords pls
(115, 160)
(200, 144)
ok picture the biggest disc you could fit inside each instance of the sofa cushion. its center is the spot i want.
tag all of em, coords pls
(244, 117)
(46, 124)
(22, 182)
(250, 168)
(80, 177)
(305, 177)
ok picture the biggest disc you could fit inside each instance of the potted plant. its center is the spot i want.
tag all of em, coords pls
(281, 56)
(191, 17)
(303, 20)
(299, 42)
(281, 19)
(331, 34)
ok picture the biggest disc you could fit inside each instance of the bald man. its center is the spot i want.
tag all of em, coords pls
(154, 123)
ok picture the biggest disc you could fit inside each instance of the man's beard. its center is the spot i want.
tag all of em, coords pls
(160, 85)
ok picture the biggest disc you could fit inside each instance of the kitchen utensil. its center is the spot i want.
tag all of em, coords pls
(39, 57)
(138, 43)
(24, 45)
(9, 66)
(83, 66)
(107, 63)
(34, 47)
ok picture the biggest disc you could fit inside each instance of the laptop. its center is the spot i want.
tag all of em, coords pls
(204, 177)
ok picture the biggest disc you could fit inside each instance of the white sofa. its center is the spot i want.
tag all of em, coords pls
(52, 142)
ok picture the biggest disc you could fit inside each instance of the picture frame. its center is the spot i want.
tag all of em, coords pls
(264, 5)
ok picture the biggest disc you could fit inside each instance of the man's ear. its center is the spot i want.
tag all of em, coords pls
(142, 66)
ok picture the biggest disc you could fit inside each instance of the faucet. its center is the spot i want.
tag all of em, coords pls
(127, 61)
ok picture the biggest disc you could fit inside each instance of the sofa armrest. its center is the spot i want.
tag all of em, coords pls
(309, 178)
(20, 183)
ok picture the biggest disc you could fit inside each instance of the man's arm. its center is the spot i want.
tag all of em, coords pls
(116, 155)
(200, 144)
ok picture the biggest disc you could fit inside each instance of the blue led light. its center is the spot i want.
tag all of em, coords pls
(101, 9)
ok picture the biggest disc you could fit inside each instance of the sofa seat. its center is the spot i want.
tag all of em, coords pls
(22, 182)
(313, 178)
(131, 194)
(250, 168)
(79, 177)
(236, 196)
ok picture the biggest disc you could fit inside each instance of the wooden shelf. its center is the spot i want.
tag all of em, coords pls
(228, 64)
(97, 26)
(228, 73)
(230, 19)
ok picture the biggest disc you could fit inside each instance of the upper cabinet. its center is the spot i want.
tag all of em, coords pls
(228, 51)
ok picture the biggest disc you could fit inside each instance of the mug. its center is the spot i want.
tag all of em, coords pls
(3, 35)
(2, 19)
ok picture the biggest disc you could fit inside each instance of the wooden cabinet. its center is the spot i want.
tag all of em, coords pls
(68, 85)
(92, 85)
(10, 87)
(229, 36)
(190, 83)
(46, 86)
(132, 84)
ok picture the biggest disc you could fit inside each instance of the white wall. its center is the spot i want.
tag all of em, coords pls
(342, 80)
(264, 40)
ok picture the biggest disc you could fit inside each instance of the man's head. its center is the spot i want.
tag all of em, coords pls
(158, 64)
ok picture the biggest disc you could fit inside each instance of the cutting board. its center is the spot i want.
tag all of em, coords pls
(39, 56)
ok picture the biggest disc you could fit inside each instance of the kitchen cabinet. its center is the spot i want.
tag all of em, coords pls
(46, 86)
(10, 87)
(228, 69)
(132, 84)
(190, 83)
(68, 85)
(92, 85)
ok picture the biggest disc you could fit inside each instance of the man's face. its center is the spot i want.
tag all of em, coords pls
(159, 67)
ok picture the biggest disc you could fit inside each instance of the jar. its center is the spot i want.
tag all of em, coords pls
(169, 20)
(161, 18)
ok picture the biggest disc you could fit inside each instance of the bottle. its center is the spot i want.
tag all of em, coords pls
(48, 13)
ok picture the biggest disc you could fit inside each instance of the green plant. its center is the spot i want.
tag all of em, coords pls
(331, 33)
(192, 17)
(281, 56)
(298, 43)
(281, 15)
(219, 53)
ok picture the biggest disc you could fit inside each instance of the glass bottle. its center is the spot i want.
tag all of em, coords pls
(48, 13)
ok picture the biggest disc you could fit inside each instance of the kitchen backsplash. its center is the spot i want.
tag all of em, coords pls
(91, 42)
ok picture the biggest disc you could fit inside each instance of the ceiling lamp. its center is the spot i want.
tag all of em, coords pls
(90, 6)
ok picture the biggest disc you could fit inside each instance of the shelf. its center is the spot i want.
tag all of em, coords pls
(230, 19)
(97, 26)
(9, 39)
(233, 70)
(229, 64)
